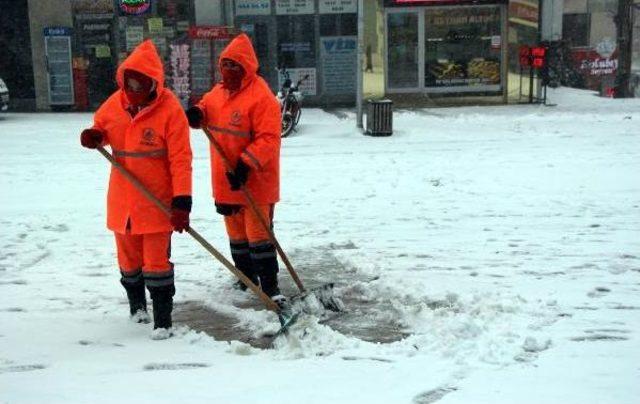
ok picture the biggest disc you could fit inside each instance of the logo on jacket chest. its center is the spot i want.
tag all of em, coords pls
(236, 118)
(148, 137)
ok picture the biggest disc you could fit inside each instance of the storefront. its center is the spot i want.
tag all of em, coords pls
(317, 38)
(106, 31)
(445, 47)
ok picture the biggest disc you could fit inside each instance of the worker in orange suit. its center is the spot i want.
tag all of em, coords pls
(243, 115)
(148, 132)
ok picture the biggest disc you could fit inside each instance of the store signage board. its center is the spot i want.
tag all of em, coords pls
(338, 6)
(253, 7)
(211, 32)
(57, 45)
(414, 3)
(295, 7)
(339, 57)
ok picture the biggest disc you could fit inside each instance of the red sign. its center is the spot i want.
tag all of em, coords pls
(211, 32)
(538, 55)
(525, 56)
(533, 56)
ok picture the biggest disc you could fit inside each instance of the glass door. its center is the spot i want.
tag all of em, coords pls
(403, 50)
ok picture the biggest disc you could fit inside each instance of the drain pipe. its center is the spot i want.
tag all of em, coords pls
(359, 75)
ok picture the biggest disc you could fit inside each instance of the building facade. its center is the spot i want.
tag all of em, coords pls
(433, 49)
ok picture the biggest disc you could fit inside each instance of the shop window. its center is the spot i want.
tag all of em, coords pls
(402, 51)
(296, 41)
(338, 24)
(575, 29)
(462, 47)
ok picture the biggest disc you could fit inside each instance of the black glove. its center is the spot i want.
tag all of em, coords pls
(239, 176)
(226, 209)
(194, 116)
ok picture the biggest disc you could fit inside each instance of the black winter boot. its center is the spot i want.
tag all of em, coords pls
(162, 298)
(242, 261)
(265, 262)
(134, 285)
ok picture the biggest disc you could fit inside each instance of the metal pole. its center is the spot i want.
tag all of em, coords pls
(359, 74)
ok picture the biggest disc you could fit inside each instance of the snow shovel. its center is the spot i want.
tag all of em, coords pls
(324, 294)
(286, 317)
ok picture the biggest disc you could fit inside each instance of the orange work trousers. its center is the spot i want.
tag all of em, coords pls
(147, 252)
(244, 226)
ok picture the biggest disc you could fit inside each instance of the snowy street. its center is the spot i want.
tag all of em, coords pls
(498, 247)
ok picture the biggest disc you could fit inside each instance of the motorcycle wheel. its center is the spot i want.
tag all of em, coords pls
(287, 125)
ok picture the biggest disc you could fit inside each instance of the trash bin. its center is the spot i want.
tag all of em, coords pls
(379, 118)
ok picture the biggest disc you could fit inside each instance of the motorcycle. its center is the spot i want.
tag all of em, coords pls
(290, 99)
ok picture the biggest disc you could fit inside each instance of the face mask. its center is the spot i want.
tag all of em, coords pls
(137, 87)
(232, 75)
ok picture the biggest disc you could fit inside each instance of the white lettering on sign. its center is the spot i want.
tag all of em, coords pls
(338, 6)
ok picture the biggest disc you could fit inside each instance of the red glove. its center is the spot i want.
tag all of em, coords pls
(179, 220)
(180, 208)
(91, 138)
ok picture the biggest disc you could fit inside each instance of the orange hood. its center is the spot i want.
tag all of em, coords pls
(143, 59)
(240, 50)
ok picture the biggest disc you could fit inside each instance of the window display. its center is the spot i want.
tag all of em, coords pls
(463, 48)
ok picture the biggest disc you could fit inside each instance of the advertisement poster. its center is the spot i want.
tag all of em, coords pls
(155, 26)
(180, 66)
(200, 67)
(57, 45)
(308, 87)
(338, 6)
(253, 7)
(290, 7)
(134, 35)
(339, 57)
(463, 49)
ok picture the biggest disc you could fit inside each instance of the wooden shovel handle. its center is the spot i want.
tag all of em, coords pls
(271, 305)
(256, 210)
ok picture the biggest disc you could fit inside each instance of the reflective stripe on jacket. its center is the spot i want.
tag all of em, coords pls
(247, 125)
(154, 146)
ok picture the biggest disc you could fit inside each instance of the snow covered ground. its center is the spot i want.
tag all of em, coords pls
(505, 241)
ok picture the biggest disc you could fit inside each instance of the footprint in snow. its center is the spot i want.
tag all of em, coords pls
(21, 368)
(175, 366)
(434, 395)
(59, 228)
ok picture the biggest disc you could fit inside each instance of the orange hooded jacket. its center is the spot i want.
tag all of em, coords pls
(247, 125)
(154, 146)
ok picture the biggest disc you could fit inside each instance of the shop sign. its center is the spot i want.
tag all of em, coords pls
(135, 7)
(93, 6)
(338, 6)
(410, 3)
(339, 61)
(592, 64)
(213, 32)
(180, 71)
(253, 7)
(295, 47)
(289, 7)
(308, 87)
